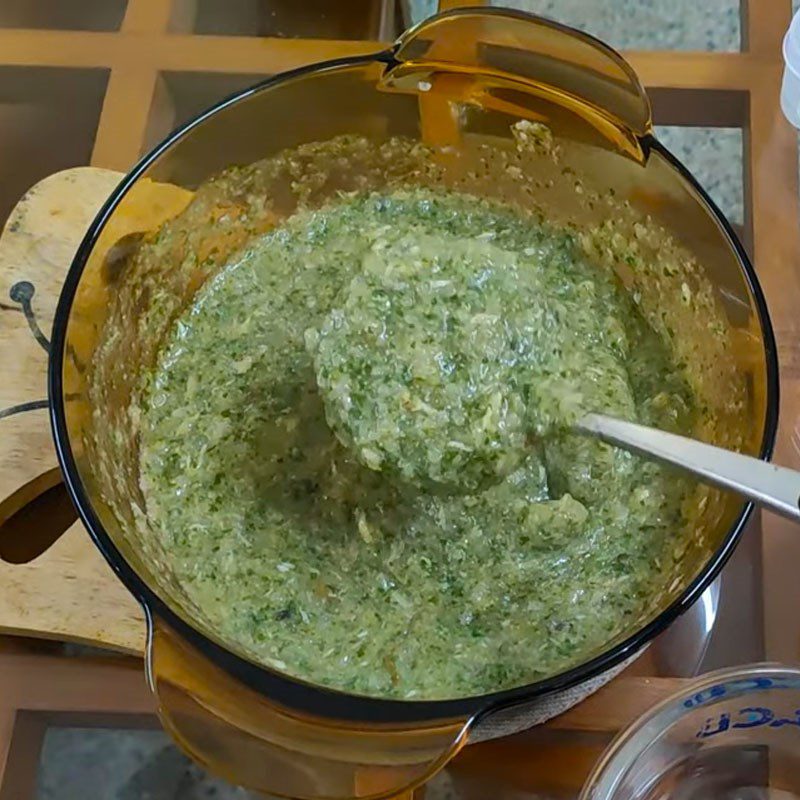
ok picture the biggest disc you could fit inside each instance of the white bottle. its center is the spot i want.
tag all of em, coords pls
(790, 89)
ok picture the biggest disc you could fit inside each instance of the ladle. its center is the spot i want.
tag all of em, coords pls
(773, 487)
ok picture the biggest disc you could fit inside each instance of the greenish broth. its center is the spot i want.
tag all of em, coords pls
(352, 573)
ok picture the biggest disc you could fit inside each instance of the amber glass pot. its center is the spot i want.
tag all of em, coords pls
(456, 80)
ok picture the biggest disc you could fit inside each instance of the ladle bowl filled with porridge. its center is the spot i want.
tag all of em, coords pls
(315, 371)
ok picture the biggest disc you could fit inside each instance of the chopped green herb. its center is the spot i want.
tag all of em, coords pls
(289, 511)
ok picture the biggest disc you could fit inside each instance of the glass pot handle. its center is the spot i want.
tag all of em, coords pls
(256, 742)
(522, 47)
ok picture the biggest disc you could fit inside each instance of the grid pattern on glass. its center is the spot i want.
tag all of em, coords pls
(715, 157)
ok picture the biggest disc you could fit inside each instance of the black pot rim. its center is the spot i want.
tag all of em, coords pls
(296, 693)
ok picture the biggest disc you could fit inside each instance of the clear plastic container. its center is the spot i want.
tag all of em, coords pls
(732, 734)
(790, 89)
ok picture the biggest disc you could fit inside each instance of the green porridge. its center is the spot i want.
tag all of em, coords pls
(356, 448)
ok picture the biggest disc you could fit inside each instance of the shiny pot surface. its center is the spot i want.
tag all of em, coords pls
(457, 82)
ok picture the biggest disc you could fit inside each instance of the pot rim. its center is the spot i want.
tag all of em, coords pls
(295, 692)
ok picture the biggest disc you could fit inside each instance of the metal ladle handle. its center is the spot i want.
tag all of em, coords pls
(775, 488)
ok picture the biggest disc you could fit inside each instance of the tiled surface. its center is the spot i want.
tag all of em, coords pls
(635, 24)
(715, 157)
(646, 24)
(122, 765)
(141, 765)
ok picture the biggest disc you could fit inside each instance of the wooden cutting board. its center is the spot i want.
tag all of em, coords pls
(68, 592)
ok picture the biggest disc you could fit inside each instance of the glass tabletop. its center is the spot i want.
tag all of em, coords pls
(99, 82)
